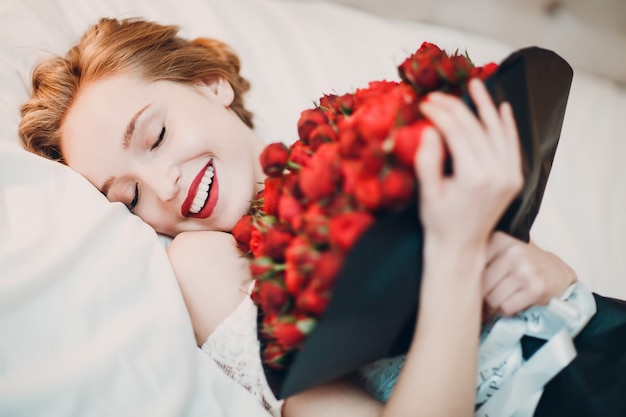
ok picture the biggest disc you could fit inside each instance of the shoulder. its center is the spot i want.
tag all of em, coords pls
(213, 277)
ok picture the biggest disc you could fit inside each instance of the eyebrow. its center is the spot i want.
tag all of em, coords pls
(130, 128)
(128, 134)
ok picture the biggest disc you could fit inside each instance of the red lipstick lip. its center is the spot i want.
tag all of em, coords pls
(193, 189)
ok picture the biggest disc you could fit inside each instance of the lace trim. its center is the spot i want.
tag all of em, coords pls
(235, 348)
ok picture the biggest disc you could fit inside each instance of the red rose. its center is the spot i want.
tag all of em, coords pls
(289, 208)
(272, 297)
(368, 192)
(259, 267)
(276, 240)
(299, 153)
(242, 233)
(271, 195)
(485, 71)
(376, 117)
(327, 268)
(373, 90)
(315, 224)
(319, 178)
(257, 243)
(321, 134)
(311, 301)
(287, 334)
(407, 140)
(372, 158)
(309, 119)
(398, 188)
(337, 104)
(346, 228)
(274, 159)
(275, 356)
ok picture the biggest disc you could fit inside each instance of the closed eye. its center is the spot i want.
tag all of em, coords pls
(159, 139)
(133, 203)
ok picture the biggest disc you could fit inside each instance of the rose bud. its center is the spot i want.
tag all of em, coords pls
(275, 356)
(242, 233)
(373, 90)
(376, 118)
(319, 179)
(312, 301)
(274, 159)
(346, 228)
(261, 267)
(398, 187)
(309, 119)
(289, 208)
(271, 195)
(406, 141)
(350, 144)
(485, 71)
(315, 224)
(299, 155)
(322, 134)
(368, 192)
(327, 268)
(295, 280)
(257, 243)
(372, 158)
(272, 297)
(276, 241)
(287, 334)
(427, 78)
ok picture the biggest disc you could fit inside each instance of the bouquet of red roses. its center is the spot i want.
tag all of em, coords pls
(353, 161)
(334, 239)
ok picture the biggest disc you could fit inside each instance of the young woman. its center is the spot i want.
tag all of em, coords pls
(157, 122)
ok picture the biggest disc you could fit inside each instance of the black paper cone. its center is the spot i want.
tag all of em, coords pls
(372, 311)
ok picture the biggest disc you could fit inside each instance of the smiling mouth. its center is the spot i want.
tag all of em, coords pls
(202, 196)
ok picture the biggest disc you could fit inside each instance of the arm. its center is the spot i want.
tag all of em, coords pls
(458, 214)
(520, 275)
(212, 275)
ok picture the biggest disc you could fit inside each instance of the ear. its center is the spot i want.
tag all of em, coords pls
(219, 88)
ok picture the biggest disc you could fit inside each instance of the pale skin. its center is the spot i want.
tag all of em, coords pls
(461, 256)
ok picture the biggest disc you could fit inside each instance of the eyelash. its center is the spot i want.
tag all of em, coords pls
(159, 139)
(156, 144)
(133, 203)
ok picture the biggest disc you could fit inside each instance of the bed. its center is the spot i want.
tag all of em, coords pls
(91, 318)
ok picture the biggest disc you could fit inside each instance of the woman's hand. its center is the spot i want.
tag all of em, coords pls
(520, 275)
(465, 206)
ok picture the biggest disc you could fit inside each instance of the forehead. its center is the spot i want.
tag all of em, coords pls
(94, 125)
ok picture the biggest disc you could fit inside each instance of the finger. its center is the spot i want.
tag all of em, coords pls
(508, 122)
(496, 272)
(486, 108)
(516, 303)
(497, 297)
(429, 162)
(457, 126)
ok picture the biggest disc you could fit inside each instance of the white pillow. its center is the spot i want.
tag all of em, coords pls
(87, 295)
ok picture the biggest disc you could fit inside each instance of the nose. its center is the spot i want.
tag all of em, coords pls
(162, 180)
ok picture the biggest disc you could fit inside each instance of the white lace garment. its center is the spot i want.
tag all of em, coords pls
(234, 346)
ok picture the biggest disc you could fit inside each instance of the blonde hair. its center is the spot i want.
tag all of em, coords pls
(112, 46)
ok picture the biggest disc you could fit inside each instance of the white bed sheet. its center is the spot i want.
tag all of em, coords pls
(85, 323)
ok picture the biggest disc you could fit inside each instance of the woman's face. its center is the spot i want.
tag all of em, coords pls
(175, 154)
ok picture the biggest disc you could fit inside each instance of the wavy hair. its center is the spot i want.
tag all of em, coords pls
(110, 47)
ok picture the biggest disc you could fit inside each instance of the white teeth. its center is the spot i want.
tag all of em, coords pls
(203, 191)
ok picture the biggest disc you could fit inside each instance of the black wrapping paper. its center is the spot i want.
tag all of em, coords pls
(372, 312)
